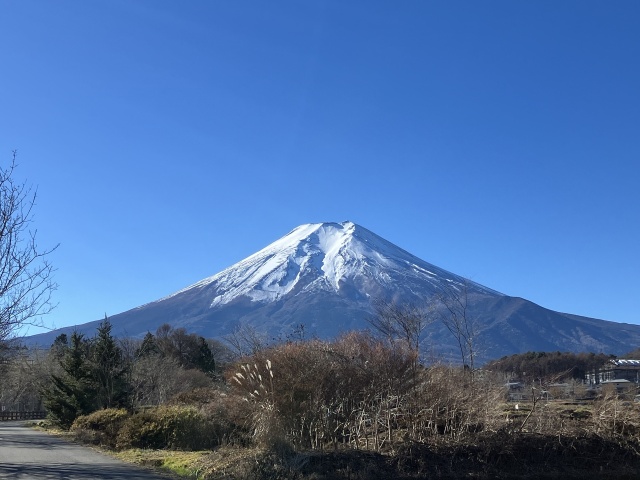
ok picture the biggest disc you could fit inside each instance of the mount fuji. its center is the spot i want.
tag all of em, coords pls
(328, 276)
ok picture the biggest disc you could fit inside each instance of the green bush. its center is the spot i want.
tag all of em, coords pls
(142, 430)
(175, 427)
(100, 427)
(186, 428)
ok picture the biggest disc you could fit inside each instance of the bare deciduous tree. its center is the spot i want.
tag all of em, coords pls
(402, 322)
(155, 379)
(26, 276)
(22, 377)
(457, 319)
(246, 340)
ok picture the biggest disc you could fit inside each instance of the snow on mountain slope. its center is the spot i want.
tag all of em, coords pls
(324, 257)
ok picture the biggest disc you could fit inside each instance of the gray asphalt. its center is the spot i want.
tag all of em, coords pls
(26, 453)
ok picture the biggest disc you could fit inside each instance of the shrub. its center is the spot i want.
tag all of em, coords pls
(614, 417)
(325, 392)
(141, 430)
(198, 396)
(362, 392)
(100, 427)
(175, 427)
(231, 414)
(452, 404)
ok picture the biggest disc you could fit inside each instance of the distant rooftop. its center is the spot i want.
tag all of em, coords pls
(621, 362)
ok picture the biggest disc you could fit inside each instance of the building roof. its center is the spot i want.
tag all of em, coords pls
(624, 362)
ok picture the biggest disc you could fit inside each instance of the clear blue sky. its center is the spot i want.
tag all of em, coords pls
(499, 140)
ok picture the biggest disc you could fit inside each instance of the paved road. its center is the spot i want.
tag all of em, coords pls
(29, 454)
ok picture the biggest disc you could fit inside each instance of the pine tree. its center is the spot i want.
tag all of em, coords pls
(72, 393)
(60, 346)
(205, 360)
(149, 346)
(110, 370)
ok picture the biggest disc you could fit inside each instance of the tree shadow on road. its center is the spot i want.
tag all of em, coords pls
(76, 472)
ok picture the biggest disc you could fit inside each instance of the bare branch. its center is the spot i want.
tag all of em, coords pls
(456, 318)
(26, 277)
(402, 322)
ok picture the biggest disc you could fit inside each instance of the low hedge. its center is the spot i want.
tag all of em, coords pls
(178, 427)
(101, 427)
(175, 427)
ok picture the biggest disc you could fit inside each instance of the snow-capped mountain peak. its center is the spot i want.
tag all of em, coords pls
(326, 257)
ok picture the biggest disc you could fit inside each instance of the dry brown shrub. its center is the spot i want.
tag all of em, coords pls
(613, 416)
(222, 407)
(315, 393)
(374, 383)
(454, 404)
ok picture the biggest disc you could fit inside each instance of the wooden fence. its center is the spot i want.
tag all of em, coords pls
(22, 415)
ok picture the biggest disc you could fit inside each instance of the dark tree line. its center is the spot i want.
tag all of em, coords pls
(554, 366)
(633, 354)
(189, 350)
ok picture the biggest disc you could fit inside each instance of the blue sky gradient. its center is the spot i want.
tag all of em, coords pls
(168, 140)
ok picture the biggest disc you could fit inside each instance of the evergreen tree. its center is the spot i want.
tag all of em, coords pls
(72, 393)
(109, 369)
(149, 346)
(60, 346)
(187, 349)
(205, 360)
